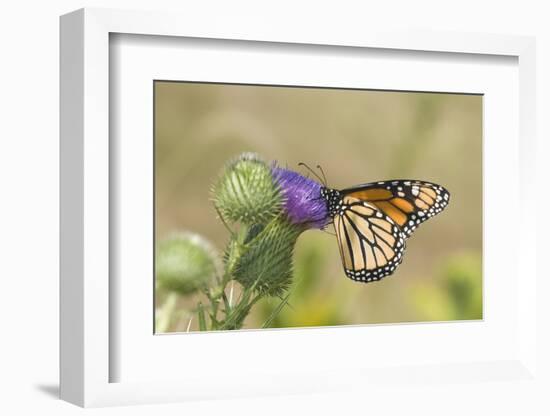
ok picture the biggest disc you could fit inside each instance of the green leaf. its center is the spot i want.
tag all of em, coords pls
(276, 311)
(202, 318)
(238, 313)
(226, 303)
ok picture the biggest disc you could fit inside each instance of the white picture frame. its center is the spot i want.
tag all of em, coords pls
(87, 355)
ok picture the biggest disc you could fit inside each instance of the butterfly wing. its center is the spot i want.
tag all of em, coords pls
(407, 202)
(371, 244)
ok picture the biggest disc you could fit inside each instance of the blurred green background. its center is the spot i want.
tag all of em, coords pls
(357, 136)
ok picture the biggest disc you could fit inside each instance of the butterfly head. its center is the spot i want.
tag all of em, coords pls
(333, 199)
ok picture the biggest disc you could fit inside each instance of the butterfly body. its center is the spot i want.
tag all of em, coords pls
(334, 200)
(372, 222)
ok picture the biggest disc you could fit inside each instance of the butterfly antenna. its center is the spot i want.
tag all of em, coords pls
(323, 173)
(311, 170)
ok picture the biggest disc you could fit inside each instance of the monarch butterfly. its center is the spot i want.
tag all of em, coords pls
(373, 221)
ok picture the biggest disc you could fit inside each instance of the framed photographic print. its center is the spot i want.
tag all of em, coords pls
(291, 214)
(263, 239)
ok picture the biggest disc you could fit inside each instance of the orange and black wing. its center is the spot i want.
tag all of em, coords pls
(371, 244)
(407, 202)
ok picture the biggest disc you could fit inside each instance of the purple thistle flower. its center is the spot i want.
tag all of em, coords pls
(303, 202)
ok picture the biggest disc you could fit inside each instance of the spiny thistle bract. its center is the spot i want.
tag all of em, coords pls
(266, 261)
(185, 263)
(246, 192)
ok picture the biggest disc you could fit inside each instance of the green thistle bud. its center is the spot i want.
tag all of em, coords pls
(185, 263)
(246, 192)
(266, 261)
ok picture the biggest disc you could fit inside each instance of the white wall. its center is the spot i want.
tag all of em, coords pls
(29, 181)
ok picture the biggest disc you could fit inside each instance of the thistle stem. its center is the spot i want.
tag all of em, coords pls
(166, 312)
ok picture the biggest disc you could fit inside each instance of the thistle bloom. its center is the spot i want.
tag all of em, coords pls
(303, 203)
(265, 209)
(273, 207)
